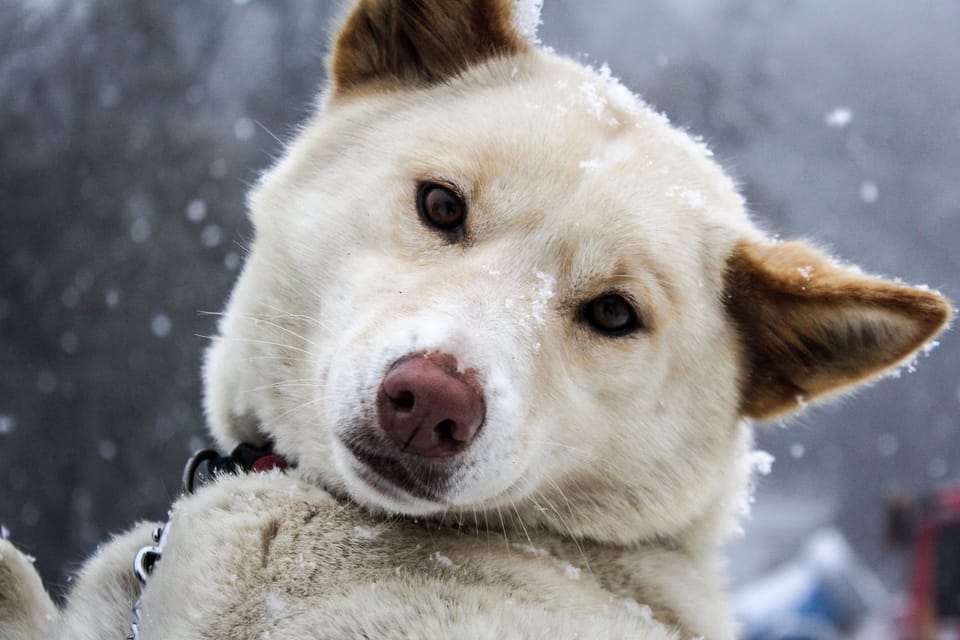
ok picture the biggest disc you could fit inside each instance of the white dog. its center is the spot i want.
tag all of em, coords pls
(507, 326)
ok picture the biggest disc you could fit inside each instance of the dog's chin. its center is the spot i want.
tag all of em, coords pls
(382, 482)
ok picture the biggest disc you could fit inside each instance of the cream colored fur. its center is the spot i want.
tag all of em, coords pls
(608, 472)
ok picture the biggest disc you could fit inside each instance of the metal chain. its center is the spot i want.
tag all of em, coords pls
(143, 565)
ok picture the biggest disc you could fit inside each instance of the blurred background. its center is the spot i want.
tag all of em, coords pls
(130, 131)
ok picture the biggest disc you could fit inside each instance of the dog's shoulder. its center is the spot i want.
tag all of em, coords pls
(277, 555)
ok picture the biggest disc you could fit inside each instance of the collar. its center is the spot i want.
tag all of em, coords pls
(246, 458)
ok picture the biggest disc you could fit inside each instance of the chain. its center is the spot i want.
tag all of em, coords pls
(143, 565)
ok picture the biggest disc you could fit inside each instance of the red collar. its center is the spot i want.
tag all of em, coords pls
(246, 458)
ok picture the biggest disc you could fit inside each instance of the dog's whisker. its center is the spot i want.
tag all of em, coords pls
(282, 358)
(291, 332)
(563, 521)
(522, 526)
(503, 527)
(255, 341)
(280, 385)
(283, 415)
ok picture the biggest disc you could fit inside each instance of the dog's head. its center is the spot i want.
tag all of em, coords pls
(489, 280)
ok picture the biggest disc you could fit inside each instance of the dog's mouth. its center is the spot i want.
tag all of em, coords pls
(395, 474)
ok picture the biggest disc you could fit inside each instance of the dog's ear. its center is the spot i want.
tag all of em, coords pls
(419, 41)
(809, 327)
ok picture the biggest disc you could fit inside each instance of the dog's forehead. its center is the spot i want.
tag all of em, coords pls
(552, 144)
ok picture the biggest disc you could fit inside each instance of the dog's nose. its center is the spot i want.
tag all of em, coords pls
(428, 407)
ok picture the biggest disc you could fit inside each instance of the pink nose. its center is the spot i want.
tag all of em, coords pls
(430, 408)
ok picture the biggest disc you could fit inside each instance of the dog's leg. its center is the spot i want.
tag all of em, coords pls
(100, 604)
(26, 611)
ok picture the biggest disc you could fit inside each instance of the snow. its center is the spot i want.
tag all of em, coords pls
(762, 462)
(443, 560)
(7, 424)
(542, 296)
(112, 298)
(806, 272)
(211, 236)
(363, 533)
(4, 533)
(140, 230)
(839, 117)
(797, 451)
(888, 444)
(243, 129)
(596, 104)
(107, 449)
(527, 19)
(275, 603)
(570, 571)
(196, 210)
(637, 609)
(869, 192)
(231, 260)
(161, 325)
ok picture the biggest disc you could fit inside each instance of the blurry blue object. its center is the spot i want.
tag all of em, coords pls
(824, 593)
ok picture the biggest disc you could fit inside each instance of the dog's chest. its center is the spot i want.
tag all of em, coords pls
(254, 556)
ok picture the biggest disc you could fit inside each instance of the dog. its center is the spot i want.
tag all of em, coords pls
(509, 329)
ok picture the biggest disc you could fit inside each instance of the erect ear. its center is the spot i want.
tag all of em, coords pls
(809, 327)
(420, 41)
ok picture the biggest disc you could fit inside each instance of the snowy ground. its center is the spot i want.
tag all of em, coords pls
(131, 129)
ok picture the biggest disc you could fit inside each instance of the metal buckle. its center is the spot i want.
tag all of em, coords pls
(190, 470)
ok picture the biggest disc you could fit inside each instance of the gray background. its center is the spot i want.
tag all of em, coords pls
(130, 130)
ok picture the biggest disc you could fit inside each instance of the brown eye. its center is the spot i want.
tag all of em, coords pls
(611, 315)
(440, 207)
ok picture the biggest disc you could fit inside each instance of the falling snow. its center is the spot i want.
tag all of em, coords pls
(7, 425)
(211, 236)
(888, 445)
(161, 325)
(839, 117)
(196, 210)
(869, 192)
(107, 449)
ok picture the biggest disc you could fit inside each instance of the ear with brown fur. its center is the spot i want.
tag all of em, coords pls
(809, 328)
(420, 41)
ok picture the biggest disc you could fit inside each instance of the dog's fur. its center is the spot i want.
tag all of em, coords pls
(609, 469)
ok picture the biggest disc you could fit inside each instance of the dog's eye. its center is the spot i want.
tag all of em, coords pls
(611, 314)
(440, 207)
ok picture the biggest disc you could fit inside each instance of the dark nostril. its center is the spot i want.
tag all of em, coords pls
(403, 401)
(445, 430)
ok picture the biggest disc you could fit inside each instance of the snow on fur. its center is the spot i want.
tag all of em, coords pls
(527, 19)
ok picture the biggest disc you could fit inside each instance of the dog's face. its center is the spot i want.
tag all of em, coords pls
(487, 280)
